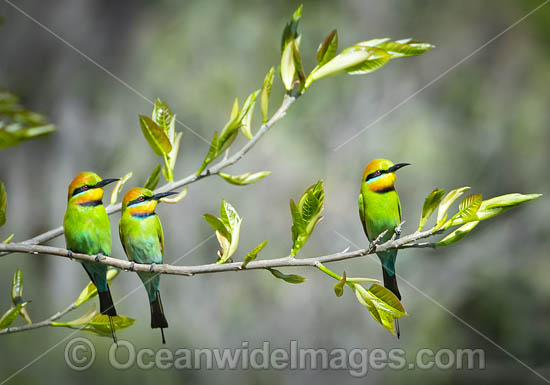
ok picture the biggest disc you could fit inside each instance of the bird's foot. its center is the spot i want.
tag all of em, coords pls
(100, 257)
(131, 268)
(397, 231)
(152, 269)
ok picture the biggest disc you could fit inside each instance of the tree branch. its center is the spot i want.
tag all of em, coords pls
(288, 100)
(288, 261)
(41, 324)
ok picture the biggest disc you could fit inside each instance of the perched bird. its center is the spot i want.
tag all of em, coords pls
(380, 210)
(143, 241)
(88, 231)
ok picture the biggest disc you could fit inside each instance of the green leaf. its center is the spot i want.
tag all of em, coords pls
(328, 47)
(290, 278)
(211, 155)
(387, 300)
(291, 29)
(17, 293)
(430, 204)
(252, 254)
(155, 136)
(96, 323)
(381, 303)
(217, 225)
(9, 316)
(245, 115)
(353, 60)
(17, 123)
(288, 67)
(3, 203)
(339, 287)
(162, 115)
(265, 93)
(306, 214)
(173, 155)
(244, 179)
(234, 109)
(8, 239)
(229, 215)
(17, 287)
(467, 210)
(153, 179)
(399, 48)
(446, 204)
(458, 234)
(90, 290)
(500, 204)
(227, 228)
(118, 187)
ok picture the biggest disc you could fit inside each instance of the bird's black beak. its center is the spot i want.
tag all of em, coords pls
(105, 182)
(397, 166)
(164, 194)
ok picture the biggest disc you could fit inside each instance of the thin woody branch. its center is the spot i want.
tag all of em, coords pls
(288, 100)
(407, 241)
(41, 324)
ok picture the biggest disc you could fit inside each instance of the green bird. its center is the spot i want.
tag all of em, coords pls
(88, 231)
(143, 241)
(380, 210)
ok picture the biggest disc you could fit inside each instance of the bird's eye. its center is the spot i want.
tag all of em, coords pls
(141, 199)
(377, 173)
(85, 187)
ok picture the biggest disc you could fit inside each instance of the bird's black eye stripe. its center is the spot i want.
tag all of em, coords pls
(375, 174)
(81, 189)
(139, 199)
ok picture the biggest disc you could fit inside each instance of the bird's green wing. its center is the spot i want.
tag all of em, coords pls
(122, 238)
(160, 235)
(362, 212)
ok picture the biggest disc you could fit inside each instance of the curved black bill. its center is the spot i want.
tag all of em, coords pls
(397, 166)
(164, 194)
(105, 182)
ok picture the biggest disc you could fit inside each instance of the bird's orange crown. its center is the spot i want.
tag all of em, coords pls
(138, 201)
(81, 188)
(379, 175)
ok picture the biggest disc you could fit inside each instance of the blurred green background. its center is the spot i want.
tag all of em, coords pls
(484, 124)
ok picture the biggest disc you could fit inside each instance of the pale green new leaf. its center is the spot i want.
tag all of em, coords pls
(8, 239)
(155, 136)
(399, 48)
(153, 179)
(430, 204)
(162, 115)
(96, 323)
(288, 68)
(17, 294)
(290, 278)
(9, 316)
(252, 254)
(217, 225)
(244, 179)
(118, 187)
(467, 210)
(211, 155)
(458, 234)
(291, 29)
(306, 214)
(265, 93)
(339, 286)
(234, 109)
(446, 204)
(327, 49)
(354, 60)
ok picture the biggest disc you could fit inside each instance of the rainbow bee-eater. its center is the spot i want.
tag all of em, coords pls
(88, 231)
(143, 241)
(380, 210)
